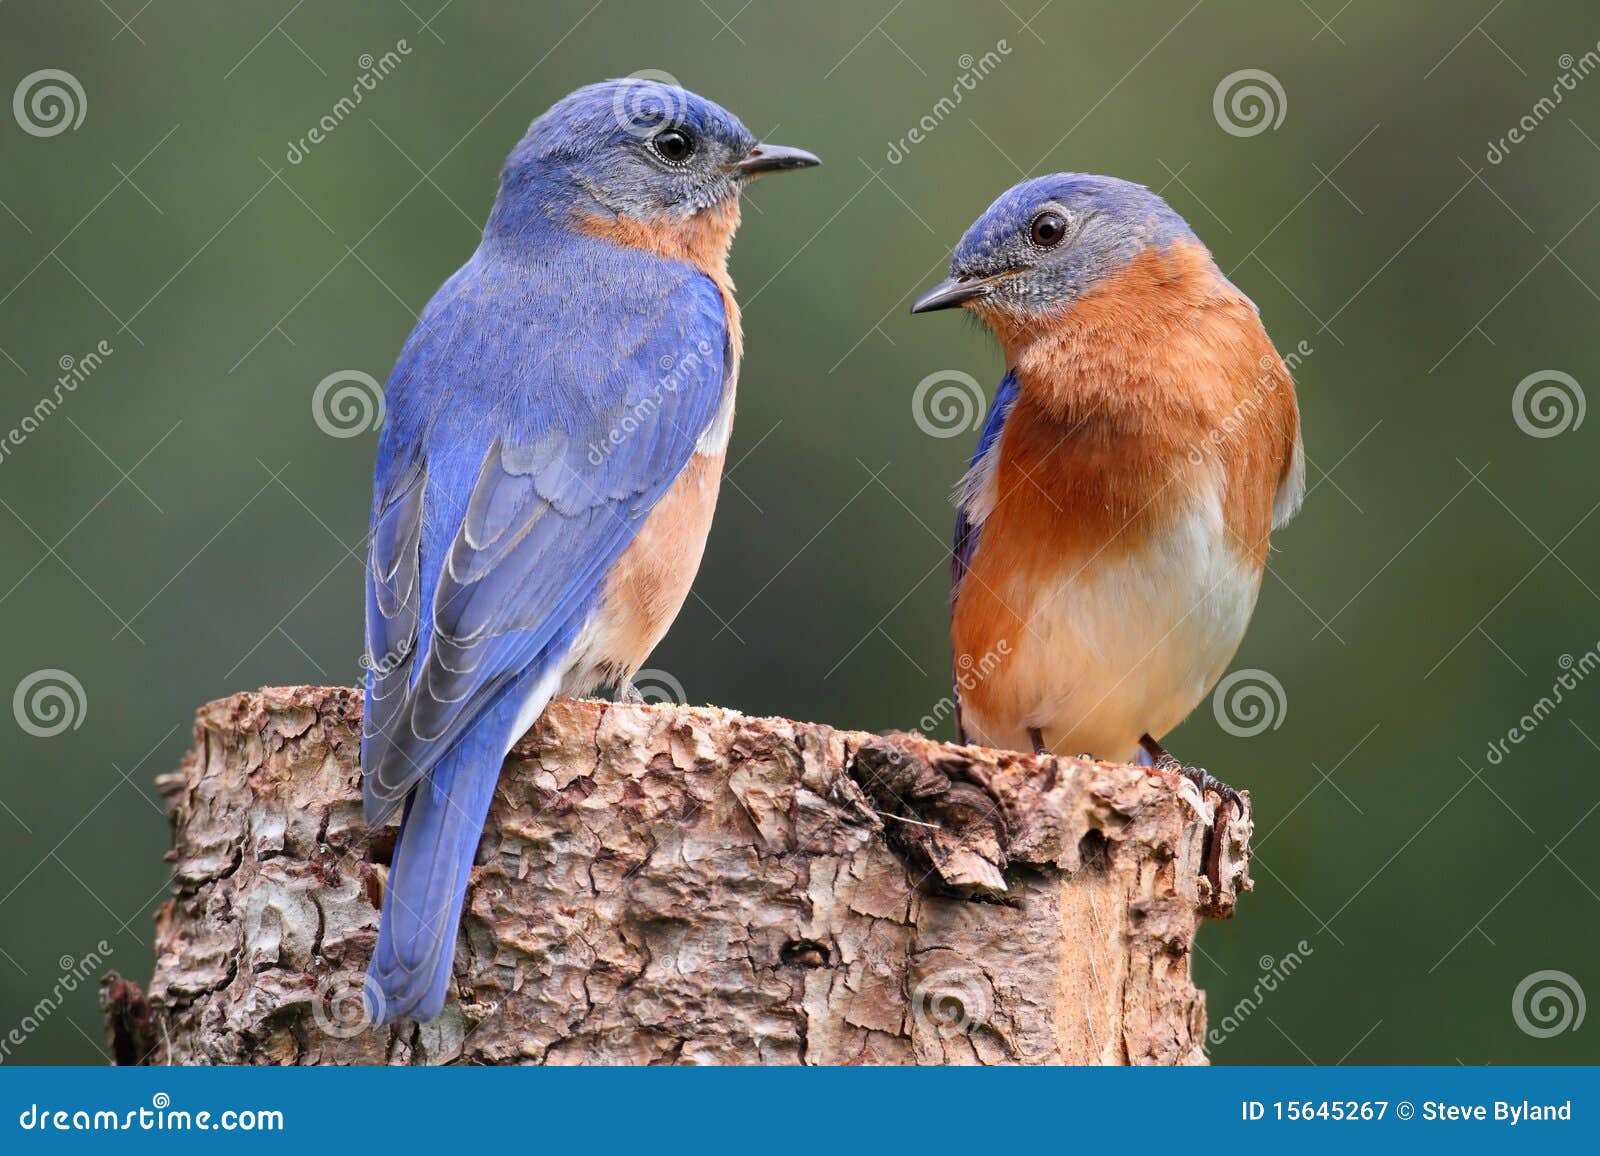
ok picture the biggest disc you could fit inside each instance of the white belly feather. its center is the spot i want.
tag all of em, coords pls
(1119, 648)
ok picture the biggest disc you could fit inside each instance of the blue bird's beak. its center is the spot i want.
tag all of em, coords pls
(771, 158)
(951, 292)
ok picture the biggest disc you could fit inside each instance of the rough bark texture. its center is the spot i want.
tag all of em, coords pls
(689, 885)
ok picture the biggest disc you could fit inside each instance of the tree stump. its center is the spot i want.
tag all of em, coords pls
(662, 884)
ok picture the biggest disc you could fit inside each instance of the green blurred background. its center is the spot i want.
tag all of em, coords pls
(181, 528)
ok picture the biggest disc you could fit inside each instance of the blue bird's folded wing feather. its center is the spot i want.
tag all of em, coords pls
(393, 598)
(531, 428)
(966, 536)
(980, 472)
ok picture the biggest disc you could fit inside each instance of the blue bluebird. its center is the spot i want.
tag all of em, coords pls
(1112, 527)
(547, 473)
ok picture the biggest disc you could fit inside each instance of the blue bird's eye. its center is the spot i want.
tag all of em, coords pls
(673, 145)
(1047, 229)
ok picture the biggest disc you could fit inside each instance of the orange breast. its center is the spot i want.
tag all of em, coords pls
(1156, 389)
(1069, 496)
(646, 588)
(702, 239)
(1162, 371)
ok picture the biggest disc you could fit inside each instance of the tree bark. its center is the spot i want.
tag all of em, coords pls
(665, 884)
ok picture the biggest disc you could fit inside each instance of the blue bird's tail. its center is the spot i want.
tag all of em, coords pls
(439, 833)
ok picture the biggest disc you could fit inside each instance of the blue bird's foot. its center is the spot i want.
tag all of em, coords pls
(625, 692)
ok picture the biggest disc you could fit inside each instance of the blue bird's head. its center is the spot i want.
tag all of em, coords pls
(635, 148)
(1047, 242)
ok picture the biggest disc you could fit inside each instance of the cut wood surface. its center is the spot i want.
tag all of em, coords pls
(662, 884)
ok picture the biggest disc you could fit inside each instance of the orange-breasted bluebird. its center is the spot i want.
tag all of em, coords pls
(1112, 527)
(547, 473)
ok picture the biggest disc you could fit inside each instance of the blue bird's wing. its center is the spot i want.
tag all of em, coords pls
(966, 537)
(532, 425)
(980, 472)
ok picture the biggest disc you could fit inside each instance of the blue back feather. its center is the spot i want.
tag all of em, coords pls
(536, 414)
(552, 391)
